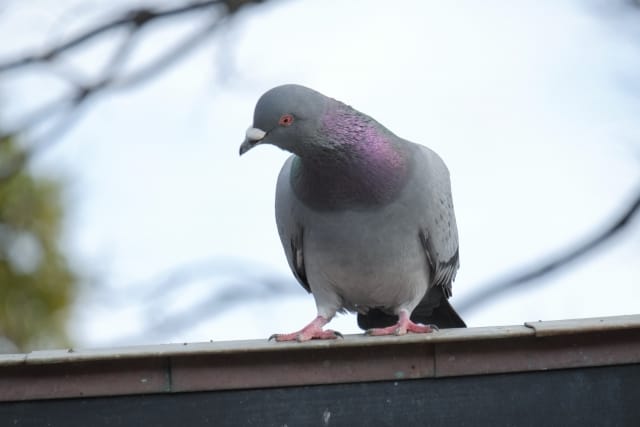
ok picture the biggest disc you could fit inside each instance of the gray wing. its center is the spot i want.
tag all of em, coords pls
(439, 232)
(290, 229)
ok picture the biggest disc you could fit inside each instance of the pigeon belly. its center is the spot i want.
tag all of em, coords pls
(355, 260)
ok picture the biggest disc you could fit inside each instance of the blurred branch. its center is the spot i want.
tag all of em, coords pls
(164, 61)
(10, 167)
(228, 284)
(234, 294)
(229, 289)
(491, 290)
(134, 20)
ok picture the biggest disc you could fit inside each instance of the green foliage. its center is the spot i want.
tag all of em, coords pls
(37, 285)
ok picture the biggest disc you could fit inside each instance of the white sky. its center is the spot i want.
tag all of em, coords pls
(530, 104)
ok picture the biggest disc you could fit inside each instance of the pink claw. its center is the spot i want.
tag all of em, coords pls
(312, 331)
(403, 326)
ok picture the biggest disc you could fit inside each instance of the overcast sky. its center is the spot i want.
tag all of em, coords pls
(533, 105)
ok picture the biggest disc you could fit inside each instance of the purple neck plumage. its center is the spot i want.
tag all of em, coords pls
(355, 162)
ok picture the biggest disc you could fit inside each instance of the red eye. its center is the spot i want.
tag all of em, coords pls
(285, 120)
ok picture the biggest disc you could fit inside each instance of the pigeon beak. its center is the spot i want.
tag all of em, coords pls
(252, 138)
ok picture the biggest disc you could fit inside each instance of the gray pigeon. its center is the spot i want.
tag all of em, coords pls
(365, 217)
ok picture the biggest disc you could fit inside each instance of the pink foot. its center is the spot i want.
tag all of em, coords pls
(312, 331)
(403, 326)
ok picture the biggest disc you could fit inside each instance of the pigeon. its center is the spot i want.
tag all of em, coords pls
(365, 217)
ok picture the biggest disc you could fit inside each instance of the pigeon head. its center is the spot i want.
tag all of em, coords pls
(288, 117)
(341, 155)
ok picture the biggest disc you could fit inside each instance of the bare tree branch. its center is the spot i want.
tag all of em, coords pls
(558, 262)
(120, 56)
(229, 283)
(39, 115)
(82, 89)
(10, 167)
(108, 78)
(134, 18)
(235, 293)
(229, 288)
(168, 58)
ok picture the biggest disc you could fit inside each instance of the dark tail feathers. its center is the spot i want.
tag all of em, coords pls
(434, 309)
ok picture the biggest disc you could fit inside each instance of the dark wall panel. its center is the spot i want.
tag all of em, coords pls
(605, 396)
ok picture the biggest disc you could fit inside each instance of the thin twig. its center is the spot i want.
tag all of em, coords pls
(136, 18)
(147, 72)
(16, 163)
(36, 117)
(542, 269)
(120, 56)
(228, 286)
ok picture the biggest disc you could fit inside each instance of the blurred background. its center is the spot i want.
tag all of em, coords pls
(127, 217)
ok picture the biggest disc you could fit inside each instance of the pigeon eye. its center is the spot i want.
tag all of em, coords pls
(285, 120)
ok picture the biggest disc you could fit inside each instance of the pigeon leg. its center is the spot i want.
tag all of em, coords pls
(312, 331)
(403, 326)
